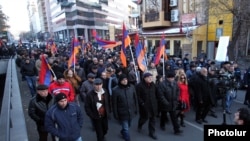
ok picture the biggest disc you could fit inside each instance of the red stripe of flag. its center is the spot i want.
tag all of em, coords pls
(45, 76)
(160, 50)
(140, 54)
(75, 50)
(125, 43)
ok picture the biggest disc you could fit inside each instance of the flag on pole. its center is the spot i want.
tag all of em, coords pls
(45, 76)
(74, 51)
(125, 43)
(160, 50)
(51, 46)
(140, 54)
(105, 44)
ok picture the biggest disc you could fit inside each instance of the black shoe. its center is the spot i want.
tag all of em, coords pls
(199, 121)
(178, 132)
(205, 121)
(214, 115)
(183, 125)
(153, 136)
(163, 128)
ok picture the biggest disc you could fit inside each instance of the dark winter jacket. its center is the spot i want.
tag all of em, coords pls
(90, 104)
(168, 96)
(124, 102)
(147, 100)
(38, 107)
(29, 69)
(69, 122)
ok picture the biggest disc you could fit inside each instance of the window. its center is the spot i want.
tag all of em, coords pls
(219, 32)
(152, 9)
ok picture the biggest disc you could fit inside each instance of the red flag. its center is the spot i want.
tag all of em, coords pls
(45, 76)
(160, 50)
(140, 54)
(94, 34)
(75, 50)
(125, 43)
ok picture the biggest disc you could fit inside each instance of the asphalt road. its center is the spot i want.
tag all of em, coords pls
(192, 132)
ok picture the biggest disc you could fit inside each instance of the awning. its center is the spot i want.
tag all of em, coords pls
(172, 30)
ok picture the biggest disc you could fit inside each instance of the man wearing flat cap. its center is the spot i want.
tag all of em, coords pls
(87, 86)
(38, 107)
(97, 107)
(67, 116)
(147, 101)
(168, 95)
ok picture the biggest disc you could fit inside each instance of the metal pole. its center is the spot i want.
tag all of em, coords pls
(136, 75)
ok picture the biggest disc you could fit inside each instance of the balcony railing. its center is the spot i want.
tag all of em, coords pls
(151, 17)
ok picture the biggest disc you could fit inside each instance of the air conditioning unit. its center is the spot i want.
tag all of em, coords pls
(174, 15)
(173, 3)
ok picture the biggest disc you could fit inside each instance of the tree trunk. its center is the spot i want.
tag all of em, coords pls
(233, 48)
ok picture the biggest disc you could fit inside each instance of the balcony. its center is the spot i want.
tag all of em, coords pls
(156, 19)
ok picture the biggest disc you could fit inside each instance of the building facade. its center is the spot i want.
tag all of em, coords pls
(79, 17)
(220, 23)
(182, 22)
(35, 25)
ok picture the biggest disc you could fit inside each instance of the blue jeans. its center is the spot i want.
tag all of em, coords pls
(125, 129)
(79, 139)
(228, 101)
(31, 81)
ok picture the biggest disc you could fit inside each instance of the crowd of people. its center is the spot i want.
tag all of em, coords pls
(105, 87)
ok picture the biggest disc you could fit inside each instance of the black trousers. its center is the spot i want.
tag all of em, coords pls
(173, 118)
(202, 110)
(43, 135)
(101, 127)
(151, 123)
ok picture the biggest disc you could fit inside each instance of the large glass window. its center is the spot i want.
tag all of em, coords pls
(152, 9)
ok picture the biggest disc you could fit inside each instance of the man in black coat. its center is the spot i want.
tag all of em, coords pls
(146, 94)
(203, 96)
(38, 107)
(168, 95)
(124, 104)
(97, 107)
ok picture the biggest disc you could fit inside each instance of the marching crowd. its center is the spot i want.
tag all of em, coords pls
(106, 88)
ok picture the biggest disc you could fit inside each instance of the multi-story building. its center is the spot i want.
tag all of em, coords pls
(44, 15)
(35, 25)
(182, 22)
(79, 17)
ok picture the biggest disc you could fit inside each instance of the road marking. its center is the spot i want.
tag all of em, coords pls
(195, 126)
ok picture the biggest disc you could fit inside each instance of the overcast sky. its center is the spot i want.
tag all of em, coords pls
(17, 12)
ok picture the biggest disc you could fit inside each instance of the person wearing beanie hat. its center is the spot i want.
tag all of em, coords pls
(37, 109)
(168, 96)
(62, 86)
(124, 104)
(122, 77)
(63, 118)
(146, 92)
(59, 97)
(60, 76)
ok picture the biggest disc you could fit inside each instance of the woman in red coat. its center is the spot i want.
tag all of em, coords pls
(183, 97)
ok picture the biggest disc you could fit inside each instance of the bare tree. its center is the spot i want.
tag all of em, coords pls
(3, 20)
(240, 9)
